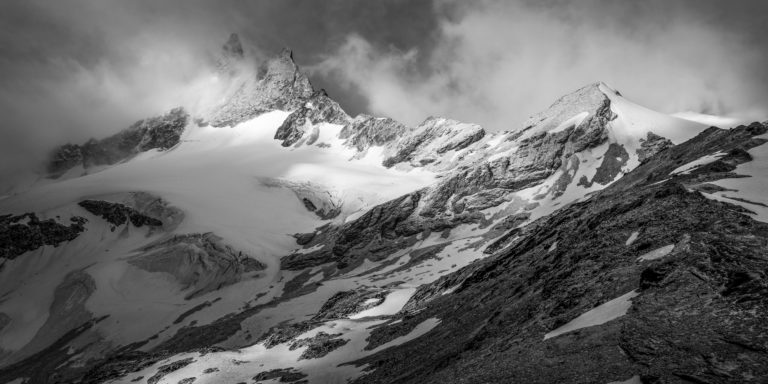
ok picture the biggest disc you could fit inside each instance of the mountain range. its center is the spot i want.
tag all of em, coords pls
(272, 237)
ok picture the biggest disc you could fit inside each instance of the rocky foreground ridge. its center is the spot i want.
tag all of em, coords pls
(599, 242)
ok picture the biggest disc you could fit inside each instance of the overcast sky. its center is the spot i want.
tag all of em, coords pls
(72, 69)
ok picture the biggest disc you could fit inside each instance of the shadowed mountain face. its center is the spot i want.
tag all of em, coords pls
(275, 237)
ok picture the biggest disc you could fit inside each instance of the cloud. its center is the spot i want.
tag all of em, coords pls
(500, 62)
(80, 69)
(75, 69)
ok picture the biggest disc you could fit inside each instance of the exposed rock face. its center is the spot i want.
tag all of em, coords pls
(23, 233)
(281, 87)
(201, 263)
(704, 296)
(138, 208)
(366, 131)
(432, 138)
(652, 145)
(161, 132)
(319, 108)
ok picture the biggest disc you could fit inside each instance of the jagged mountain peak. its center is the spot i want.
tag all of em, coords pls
(277, 83)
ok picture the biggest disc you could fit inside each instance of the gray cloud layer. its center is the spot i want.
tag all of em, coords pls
(74, 69)
(496, 63)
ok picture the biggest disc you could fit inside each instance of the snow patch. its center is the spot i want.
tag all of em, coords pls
(657, 253)
(392, 304)
(572, 122)
(750, 191)
(704, 160)
(632, 238)
(632, 380)
(599, 315)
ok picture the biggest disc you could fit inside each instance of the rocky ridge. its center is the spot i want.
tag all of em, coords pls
(527, 160)
(161, 133)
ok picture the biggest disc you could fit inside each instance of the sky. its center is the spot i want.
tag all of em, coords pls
(75, 69)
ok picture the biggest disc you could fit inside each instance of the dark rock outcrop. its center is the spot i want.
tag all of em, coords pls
(319, 345)
(285, 375)
(118, 214)
(26, 232)
(346, 303)
(652, 145)
(365, 131)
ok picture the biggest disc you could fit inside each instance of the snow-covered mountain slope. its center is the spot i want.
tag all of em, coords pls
(236, 183)
(274, 237)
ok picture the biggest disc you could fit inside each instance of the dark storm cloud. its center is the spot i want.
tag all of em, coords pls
(74, 69)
